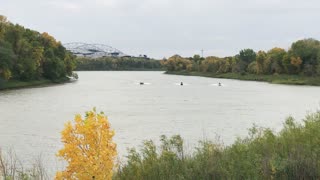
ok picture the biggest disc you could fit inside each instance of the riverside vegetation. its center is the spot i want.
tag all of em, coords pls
(118, 64)
(292, 153)
(299, 65)
(88, 150)
(28, 57)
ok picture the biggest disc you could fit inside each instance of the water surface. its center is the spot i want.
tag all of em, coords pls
(31, 119)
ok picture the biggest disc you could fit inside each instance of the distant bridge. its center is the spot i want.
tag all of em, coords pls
(93, 50)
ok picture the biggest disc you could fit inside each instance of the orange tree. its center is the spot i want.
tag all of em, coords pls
(88, 148)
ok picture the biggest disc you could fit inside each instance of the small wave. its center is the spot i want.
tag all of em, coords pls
(217, 84)
(179, 84)
(144, 83)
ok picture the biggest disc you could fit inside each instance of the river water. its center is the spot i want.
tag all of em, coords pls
(31, 119)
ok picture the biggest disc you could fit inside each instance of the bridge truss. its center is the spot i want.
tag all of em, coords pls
(93, 50)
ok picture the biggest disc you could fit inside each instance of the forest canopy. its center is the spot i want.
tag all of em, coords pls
(117, 64)
(302, 58)
(27, 55)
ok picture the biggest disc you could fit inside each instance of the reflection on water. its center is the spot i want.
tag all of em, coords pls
(31, 119)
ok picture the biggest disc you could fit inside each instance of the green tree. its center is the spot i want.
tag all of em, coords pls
(25, 66)
(309, 52)
(28, 55)
(238, 66)
(247, 55)
(6, 57)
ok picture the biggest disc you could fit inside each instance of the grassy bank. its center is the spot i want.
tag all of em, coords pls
(15, 84)
(130, 69)
(275, 79)
(293, 153)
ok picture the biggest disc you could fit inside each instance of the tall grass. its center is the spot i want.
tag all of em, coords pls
(293, 153)
(11, 168)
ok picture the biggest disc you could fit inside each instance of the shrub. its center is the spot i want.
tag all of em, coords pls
(293, 153)
(88, 148)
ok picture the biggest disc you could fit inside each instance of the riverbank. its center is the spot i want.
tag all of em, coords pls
(132, 69)
(262, 154)
(274, 79)
(15, 84)
(118, 64)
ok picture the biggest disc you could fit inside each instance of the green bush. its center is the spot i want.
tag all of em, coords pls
(293, 153)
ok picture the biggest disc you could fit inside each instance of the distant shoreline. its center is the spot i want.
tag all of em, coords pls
(273, 79)
(121, 70)
(15, 84)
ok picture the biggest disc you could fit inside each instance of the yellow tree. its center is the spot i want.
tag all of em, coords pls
(261, 58)
(49, 41)
(296, 62)
(88, 148)
(3, 24)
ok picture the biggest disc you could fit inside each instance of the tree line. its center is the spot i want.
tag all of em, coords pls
(117, 63)
(27, 55)
(302, 58)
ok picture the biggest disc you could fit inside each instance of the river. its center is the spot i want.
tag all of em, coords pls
(31, 119)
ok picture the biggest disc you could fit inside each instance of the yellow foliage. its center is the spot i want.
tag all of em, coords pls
(7, 74)
(189, 67)
(261, 58)
(50, 40)
(88, 148)
(37, 55)
(177, 63)
(296, 61)
(276, 50)
(3, 19)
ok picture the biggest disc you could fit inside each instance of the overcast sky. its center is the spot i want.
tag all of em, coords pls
(161, 28)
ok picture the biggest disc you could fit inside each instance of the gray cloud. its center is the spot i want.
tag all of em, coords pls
(164, 27)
